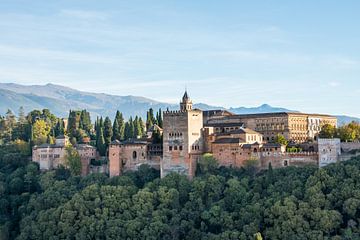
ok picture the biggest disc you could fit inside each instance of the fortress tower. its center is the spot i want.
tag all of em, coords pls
(182, 139)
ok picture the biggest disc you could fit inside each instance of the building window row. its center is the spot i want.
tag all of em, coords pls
(175, 134)
(195, 147)
(176, 148)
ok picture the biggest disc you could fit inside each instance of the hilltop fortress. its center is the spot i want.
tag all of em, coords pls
(232, 139)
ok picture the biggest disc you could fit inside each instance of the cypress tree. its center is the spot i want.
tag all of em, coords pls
(149, 119)
(137, 128)
(159, 118)
(100, 144)
(131, 128)
(120, 119)
(108, 133)
(86, 120)
(116, 130)
(141, 123)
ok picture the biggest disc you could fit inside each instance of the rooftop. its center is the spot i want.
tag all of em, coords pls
(239, 131)
(228, 140)
(275, 114)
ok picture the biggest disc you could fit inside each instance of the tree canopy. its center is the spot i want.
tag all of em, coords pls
(219, 203)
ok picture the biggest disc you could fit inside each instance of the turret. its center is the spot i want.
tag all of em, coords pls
(186, 103)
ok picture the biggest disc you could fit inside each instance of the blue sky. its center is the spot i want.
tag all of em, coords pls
(303, 55)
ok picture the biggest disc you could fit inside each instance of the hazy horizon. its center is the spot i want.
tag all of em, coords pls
(303, 56)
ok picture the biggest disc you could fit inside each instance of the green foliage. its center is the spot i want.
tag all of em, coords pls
(41, 130)
(281, 140)
(219, 203)
(207, 164)
(347, 133)
(108, 132)
(73, 161)
(293, 149)
(327, 131)
(100, 142)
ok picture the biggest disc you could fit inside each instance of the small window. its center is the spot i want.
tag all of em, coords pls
(175, 148)
(180, 148)
(134, 155)
(170, 148)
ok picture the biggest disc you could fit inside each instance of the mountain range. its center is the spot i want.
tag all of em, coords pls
(60, 100)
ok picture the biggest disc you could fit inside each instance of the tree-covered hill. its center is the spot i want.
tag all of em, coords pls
(220, 203)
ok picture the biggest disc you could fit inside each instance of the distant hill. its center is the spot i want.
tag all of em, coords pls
(60, 100)
(265, 108)
(346, 119)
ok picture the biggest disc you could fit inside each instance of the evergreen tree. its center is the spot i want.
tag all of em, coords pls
(120, 119)
(108, 131)
(101, 123)
(116, 131)
(59, 128)
(137, 128)
(22, 118)
(85, 121)
(141, 123)
(159, 118)
(73, 124)
(131, 128)
(100, 144)
(149, 119)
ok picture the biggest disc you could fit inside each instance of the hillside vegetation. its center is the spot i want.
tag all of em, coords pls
(220, 203)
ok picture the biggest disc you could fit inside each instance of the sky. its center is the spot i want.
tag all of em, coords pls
(302, 55)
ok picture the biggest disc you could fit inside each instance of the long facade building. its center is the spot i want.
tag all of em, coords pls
(296, 127)
(232, 139)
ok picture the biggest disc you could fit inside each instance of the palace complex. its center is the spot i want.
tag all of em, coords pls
(232, 139)
(188, 133)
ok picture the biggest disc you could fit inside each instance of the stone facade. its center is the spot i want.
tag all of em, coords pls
(329, 151)
(129, 155)
(51, 156)
(86, 153)
(296, 127)
(182, 139)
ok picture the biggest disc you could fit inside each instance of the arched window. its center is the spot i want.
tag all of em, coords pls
(134, 155)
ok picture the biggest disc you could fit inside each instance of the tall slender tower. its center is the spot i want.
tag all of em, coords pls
(182, 139)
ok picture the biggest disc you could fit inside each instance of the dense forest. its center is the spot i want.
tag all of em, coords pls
(39, 127)
(219, 203)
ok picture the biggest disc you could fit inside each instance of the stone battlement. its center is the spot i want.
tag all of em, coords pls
(174, 113)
